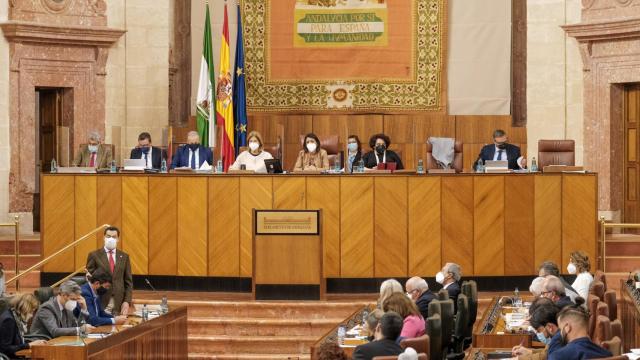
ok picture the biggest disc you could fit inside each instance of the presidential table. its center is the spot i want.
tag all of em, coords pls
(373, 225)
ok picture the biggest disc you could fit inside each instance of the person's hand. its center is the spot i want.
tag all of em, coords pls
(124, 309)
(37, 342)
(120, 319)
(87, 328)
(523, 162)
(520, 350)
(82, 303)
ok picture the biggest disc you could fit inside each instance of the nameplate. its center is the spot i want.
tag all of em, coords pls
(241, 172)
(441, 171)
(561, 168)
(76, 170)
(287, 222)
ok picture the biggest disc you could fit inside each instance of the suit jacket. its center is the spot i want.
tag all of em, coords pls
(122, 280)
(376, 348)
(11, 341)
(50, 322)
(563, 302)
(103, 157)
(423, 302)
(157, 154)
(320, 160)
(181, 157)
(513, 153)
(371, 163)
(97, 315)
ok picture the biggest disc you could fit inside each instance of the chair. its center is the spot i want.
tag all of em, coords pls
(434, 331)
(556, 152)
(621, 357)
(597, 289)
(600, 276)
(470, 289)
(616, 329)
(614, 346)
(611, 300)
(420, 344)
(43, 294)
(421, 356)
(459, 332)
(447, 316)
(603, 329)
(592, 305)
(457, 158)
(443, 294)
(602, 309)
(331, 145)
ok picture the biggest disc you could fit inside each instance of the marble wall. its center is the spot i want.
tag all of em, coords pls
(4, 118)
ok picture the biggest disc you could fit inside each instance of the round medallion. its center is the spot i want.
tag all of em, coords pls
(340, 95)
(56, 6)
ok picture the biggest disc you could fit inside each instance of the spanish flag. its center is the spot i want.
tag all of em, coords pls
(224, 99)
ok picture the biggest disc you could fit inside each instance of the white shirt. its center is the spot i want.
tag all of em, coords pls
(114, 255)
(446, 286)
(503, 156)
(582, 284)
(149, 158)
(252, 162)
(197, 154)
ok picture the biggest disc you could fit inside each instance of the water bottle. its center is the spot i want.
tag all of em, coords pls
(337, 166)
(480, 166)
(164, 305)
(54, 166)
(163, 167)
(82, 328)
(219, 167)
(516, 298)
(361, 166)
(145, 313)
(342, 332)
(365, 315)
(114, 168)
(420, 168)
(534, 164)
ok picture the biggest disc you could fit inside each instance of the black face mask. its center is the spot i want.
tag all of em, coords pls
(194, 147)
(380, 149)
(501, 145)
(145, 149)
(101, 291)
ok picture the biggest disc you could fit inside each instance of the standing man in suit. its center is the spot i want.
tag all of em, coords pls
(145, 151)
(62, 314)
(97, 286)
(94, 153)
(192, 154)
(502, 150)
(115, 262)
(387, 331)
(418, 290)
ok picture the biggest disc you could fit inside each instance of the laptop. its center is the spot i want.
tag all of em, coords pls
(135, 164)
(496, 166)
(274, 166)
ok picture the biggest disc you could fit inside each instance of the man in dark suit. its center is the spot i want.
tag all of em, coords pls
(192, 154)
(553, 289)
(573, 322)
(502, 150)
(449, 278)
(115, 262)
(151, 154)
(418, 289)
(386, 333)
(62, 314)
(99, 283)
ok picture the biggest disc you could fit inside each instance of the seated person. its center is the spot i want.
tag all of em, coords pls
(354, 153)
(579, 264)
(380, 153)
(543, 320)
(386, 334)
(62, 314)
(330, 351)
(312, 157)
(502, 150)
(97, 286)
(573, 322)
(553, 289)
(418, 290)
(94, 154)
(14, 322)
(145, 151)
(449, 277)
(536, 286)
(388, 287)
(550, 268)
(192, 155)
(253, 159)
(371, 322)
(412, 322)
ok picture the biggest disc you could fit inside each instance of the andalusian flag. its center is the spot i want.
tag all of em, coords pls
(204, 101)
(224, 101)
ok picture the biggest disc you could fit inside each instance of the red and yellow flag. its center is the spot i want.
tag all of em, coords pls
(224, 100)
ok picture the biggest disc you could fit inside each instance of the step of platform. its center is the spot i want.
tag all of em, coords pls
(260, 345)
(261, 327)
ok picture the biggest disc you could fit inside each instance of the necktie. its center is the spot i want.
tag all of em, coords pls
(112, 264)
(500, 154)
(92, 161)
(64, 321)
(193, 159)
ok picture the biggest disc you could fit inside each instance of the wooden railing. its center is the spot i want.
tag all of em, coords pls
(603, 237)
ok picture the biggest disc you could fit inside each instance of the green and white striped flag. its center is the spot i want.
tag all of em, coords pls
(206, 93)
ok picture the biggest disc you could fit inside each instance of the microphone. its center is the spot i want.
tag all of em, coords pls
(149, 284)
(629, 280)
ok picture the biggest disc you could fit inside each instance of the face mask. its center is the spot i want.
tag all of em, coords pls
(380, 149)
(353, 147)
(312, 147)
(254, 145)
(543, 339)
(70, 305)
(101, 291)
(110, 243)
(145, 149)
(571, 268)
(439, 277)
(93, 148)
(502, 145)
(194, 147)
(409, 296)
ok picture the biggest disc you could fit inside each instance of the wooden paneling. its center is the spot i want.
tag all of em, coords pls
(135, 222)
(488, 229)
(255, 193)
(85, 217)
(224, 229)
(457, 221)
(357, 219)
(163, 225)
(579, 216)
(288, 260)
(109, 201)
(425, 238)
(289, 193)
(58, 221)
(519, 211)
(548, 218)
(192, 226)
(324, 193)
(390, 227)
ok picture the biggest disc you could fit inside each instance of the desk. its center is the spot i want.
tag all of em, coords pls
(630, 315)
(481, 353)
(486, 331)
(164, 337)
(374, 225)
(332, 335)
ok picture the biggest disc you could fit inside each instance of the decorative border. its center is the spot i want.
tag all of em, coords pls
(425, 93)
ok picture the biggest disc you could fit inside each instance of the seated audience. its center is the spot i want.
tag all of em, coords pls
(573, 322)
(550, 268)
(62, 314)
(312, 156)
(330, 351)
(579, 264)
(354, 153)
(253, 159)
(449, 277)
(413, 323)
(380, 153)
(418, 289)
(98, 286)
(193, 154)
(94, 154)
(386, 334)
(554, 290)
(502, 150)
(536, 286)
(371, 322)
(543, 320)
(388, 287)
(14, 322)
(145, 151)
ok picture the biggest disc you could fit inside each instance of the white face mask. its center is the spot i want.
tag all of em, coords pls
(110, 243)
(409, 296)
(254, 145)
(439, 277)
(571, 268)
(353, 147)
(93, 148)
(70, 305)
(312, 147)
